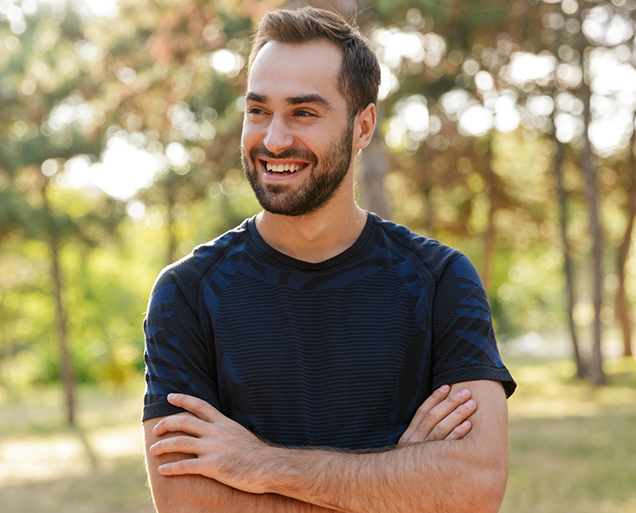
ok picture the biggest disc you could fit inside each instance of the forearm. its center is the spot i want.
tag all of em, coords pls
(317, 481)
(451, 476)
(424, 477)
(193, 494)
(199, 494)
(456, 476)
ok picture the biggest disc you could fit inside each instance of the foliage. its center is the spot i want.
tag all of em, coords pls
(165, 79)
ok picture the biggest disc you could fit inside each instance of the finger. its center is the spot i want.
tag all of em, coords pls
(447, 425)
(181, 467)
(432, 419)
(433, 400)
(185, 423)
(198, 407)
(182, 444)
(460, 431)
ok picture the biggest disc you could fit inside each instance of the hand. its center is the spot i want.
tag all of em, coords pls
(224, 450)
(441, 417)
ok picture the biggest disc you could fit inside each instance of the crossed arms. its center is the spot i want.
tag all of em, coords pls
(443, 463)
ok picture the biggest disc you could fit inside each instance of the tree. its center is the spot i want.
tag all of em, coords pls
(559, 161)
(49, 123)
(622, 300)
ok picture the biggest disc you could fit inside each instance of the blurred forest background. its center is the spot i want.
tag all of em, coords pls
(506, 129)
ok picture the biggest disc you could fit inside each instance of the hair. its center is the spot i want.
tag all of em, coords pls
(359, 78)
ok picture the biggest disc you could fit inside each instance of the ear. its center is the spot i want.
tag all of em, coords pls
(364, 125)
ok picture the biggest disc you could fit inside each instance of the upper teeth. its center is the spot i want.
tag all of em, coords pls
(292, 168)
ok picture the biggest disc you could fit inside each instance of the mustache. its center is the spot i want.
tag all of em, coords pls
(294, 153)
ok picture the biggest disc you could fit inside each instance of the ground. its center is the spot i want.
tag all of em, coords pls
(572, 446)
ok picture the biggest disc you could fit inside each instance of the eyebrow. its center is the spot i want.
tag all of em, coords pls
(293, 100)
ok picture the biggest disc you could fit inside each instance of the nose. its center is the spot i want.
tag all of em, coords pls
(278, 136)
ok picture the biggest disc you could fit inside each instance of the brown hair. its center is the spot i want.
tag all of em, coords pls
(359, 78)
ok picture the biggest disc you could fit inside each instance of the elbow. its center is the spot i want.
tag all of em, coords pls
(488, 490)
(163, 494)
(183, 494)
(173, 494)
(169, 504)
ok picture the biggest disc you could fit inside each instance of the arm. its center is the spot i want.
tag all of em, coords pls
(441, 416)
(459, 475)
(197, 493)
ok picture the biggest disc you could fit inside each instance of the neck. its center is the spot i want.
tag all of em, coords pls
(314, 237)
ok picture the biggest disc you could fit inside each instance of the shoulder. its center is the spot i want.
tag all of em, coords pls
(187, 273)
(425, 253)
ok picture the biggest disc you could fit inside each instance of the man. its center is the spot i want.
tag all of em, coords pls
(318, 358)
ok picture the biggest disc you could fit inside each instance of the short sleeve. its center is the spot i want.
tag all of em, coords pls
(464, 345)
(177, 351)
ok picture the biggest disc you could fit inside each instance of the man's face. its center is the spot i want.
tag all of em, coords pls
(297, 134)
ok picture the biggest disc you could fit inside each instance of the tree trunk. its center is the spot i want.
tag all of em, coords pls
(375, 162)
(68, 377)
(623, 306)
(567, 260)
(171, 252)
(490, 233)
(429, 221)
(375, 165)
(66, 364)
(596, 368)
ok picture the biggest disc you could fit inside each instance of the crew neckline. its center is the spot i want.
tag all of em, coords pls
(289, 261)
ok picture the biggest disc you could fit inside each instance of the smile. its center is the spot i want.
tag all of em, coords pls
(283, 168)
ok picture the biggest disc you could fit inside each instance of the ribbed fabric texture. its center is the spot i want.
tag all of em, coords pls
(338, 354)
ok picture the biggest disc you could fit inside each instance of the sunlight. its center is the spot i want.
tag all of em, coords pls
(124, 169)
(477, 120)
(507, 115)
(227, 62)
(102, 7)
(36, 459)
(527, 67)
(393, 45)
(40, 459)
(88, 8)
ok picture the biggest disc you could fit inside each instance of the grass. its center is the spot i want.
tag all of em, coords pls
(96, 467)
(573, 446)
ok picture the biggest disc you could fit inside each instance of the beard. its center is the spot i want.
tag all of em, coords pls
(325, 179)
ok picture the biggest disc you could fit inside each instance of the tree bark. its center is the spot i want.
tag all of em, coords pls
(170, 190)
(596, 368)
(490, 233)
(68, 377)
(429, 221)
(375, 161)
(623, 305)
(567, 260)
(375, 165)
(66, 364)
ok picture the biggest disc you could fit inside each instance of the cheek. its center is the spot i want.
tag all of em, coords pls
(249, 135)
(245, 139)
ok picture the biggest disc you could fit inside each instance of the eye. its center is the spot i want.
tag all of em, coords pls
(255, 111)
(304, 114)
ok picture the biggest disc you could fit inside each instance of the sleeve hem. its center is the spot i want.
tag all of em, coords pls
(161, 409)
(477, 373)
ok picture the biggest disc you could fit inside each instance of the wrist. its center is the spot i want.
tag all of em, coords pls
(310, 475)
(266, 468)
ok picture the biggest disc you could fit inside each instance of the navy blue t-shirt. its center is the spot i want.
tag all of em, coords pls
(339, 353)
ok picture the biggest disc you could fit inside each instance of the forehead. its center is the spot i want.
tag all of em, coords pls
(282, 70)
